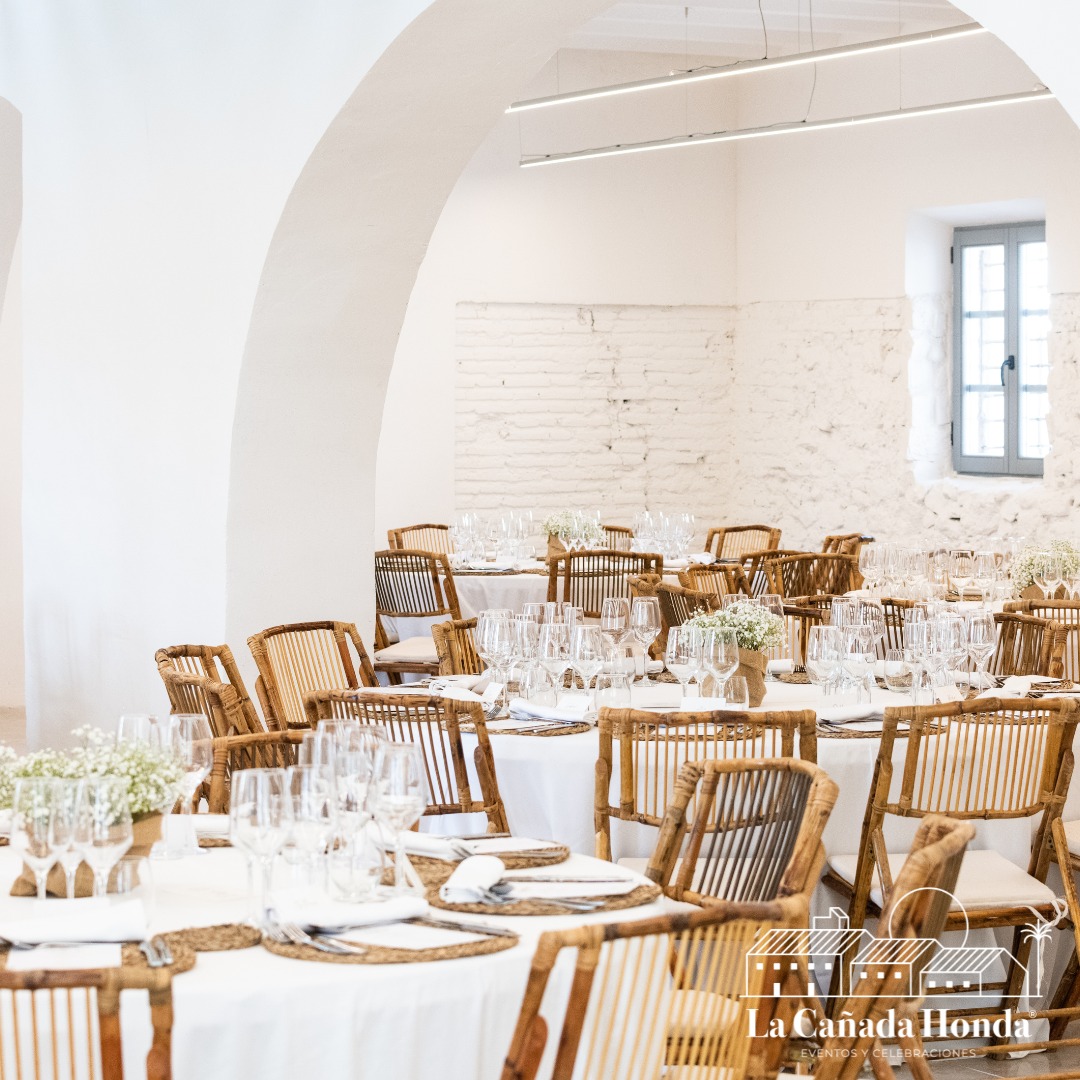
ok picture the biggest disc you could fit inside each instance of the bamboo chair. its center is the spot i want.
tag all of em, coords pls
(732, 542)
(587, 578)
(411, 584)
(1066, 613)
(433, 724)
(668, 996)
(653, 747)
(842, 544)
(988, 760)
(720, 579)
(677, 605)
(48, 1021)
(619, 537)
(809, 573)
(756, 834)
(643, 584)
(753, 564)
(432, 538)
(798, 621)
(895, 611)
(297, 658)
(233, 753)
(195, 675)
(1028, 646)
(455, 646)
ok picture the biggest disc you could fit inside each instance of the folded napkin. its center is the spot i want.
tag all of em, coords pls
(471, 880)
(89, 919)
(445, 847)
(701, 558)
(458, 693)
(1013, 686)
(495, 564)
(475, 683)
(331, 916)
(846, 714)
(211, 824)
(780, 667)
(572, 710)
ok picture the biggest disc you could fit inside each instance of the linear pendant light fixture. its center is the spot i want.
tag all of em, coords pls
(789, 129)
(747, 67)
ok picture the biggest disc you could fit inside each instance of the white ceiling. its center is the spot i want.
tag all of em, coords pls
(732, 28)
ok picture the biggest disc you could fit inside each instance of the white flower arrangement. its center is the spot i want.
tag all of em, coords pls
(153, 775)
(1031, 562)
(571, 522)
(755, 627)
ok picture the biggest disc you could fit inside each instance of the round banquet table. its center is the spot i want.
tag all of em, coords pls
(251, 1015)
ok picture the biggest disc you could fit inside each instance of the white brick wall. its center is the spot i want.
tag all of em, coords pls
(818, 416)
(616, 408)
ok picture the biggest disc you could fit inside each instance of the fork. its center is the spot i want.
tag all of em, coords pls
(497, 894)
(288, 933)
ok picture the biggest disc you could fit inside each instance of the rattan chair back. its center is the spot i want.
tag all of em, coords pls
(735, 541)
(435, 725)
(668, 996)
(653, 747)
(678, 604)
(455, 645)
(895, 611)
(720, 579)
(756, 832)
(1066, 613)
(842, 544)
(297, 658)
(1027, 645)
(413, 585)
(753, 564)
(618, 537)
(587, 578)
(421, 538)
(205, 679)
(234, 753)
(808, 574)
(67, 1023)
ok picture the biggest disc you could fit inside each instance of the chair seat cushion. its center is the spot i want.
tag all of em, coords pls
(987, 879)
(414, 650)
(1072, 835)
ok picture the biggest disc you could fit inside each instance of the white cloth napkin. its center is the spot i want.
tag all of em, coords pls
(471, 880)
(475, 683)
(846, 714)
(1014, 686)
(572, 710)
(443, 847)
(332, 916)
(211, 824)
(89, 919)
(780, 667)
(701, 558)
(459, 693)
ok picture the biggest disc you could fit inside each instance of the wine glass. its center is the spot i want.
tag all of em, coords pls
(399, 798)
(774, 603)
(32, 826)
(554, 652)
(961, 572)
(193, 743)
(720, 654)
(823, 656)
(317, 748)
(314, 809)
(858, 656)
(645, 625)
(981, 642)
(679, 658)
(587, 653)
(615, 618)
(65, 821)
(870, 565)
(260, 813)
(985, 572)
(103, 827)
(142, 728)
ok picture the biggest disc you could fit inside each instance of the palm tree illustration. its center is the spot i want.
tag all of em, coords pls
(1039, 932)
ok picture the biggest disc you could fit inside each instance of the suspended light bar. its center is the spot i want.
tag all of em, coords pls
(788, 129)
(746, 67)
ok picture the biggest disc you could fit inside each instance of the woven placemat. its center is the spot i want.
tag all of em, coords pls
(224, 937)
(4, 841)
(793, 678)
(643, 894)
(380, 954)
(214, 842)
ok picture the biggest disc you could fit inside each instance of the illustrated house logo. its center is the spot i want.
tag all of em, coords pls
(965, 969)
(906, 957)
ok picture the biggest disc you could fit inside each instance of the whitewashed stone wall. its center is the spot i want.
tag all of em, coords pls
(612, 407)
(818, 416)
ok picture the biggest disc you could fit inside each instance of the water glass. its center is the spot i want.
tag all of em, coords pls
(32, 828)
(399, 793)
(103, 830)
(720, 655)
(823, 656)
(65, 821)
(192, 741)
(260, 816)
(612, 691)
(645, 625)
(736, 694)
(897, 672)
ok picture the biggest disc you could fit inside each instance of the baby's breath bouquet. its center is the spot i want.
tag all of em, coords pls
(1032, 562)
(153, 775)
(756, 628)
(568, 523)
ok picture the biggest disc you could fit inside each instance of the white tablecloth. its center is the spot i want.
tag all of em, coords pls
(250, 1015)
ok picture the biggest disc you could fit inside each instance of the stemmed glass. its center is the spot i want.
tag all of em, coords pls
(65, 830)
(554, 652)
(823, 656)
(495, 643)
(142, 728)
(398, 799)
(858, 656)
(32, 826)
(720, 655)
(103, 825)
(645, 625)
(870, 565)
(774, 603)
(985, 572)
(587, 653)
(314, 812)
(260, 813)
(961, 572)
(981, 642)
(193, 743)
(683, 655)
(1055, 575)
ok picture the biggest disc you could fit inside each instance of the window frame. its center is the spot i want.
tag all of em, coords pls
(1011, 236)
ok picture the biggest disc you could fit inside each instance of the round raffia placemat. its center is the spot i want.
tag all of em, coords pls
(381, 954)
(793, 678)
(643, 894)
(224, 937)
(214, 842)
(4, 841)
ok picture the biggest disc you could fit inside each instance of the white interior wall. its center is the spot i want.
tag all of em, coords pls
(12, 688)
(818, 262)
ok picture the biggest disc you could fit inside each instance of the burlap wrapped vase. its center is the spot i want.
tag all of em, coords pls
(145, 831)
(752, 667)
(555, 545)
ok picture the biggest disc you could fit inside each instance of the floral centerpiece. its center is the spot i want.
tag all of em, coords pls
(1032, 562)
(151, 774)
(568, 527)
(756, 630)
